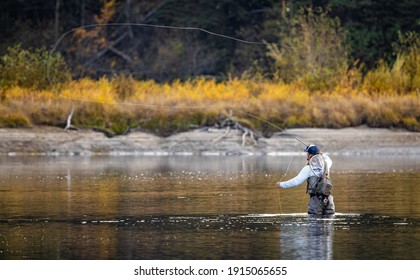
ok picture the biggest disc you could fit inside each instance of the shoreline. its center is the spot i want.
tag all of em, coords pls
(359, 141)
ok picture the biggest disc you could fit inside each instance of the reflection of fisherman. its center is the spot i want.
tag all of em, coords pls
(312, 242)
(316, 172)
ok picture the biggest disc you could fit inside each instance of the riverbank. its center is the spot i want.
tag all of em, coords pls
(208, 141)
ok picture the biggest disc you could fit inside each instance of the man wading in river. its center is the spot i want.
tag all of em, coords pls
(316, 173)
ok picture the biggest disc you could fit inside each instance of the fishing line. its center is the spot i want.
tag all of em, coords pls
(278, 193)
(188, 28)
(157, 106)
(272, 124)
(57, 43)
(284, 175)
(301, 202)
(153, 26)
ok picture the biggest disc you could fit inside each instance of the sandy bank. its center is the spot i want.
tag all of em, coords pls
(360, 141)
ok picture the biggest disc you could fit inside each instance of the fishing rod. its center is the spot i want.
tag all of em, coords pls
(272, 124)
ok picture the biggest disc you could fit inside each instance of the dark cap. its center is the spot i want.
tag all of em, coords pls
(312, 149)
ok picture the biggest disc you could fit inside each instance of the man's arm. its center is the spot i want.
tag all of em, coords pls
(298, 180)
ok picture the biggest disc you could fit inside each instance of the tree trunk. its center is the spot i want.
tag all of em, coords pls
(57, 19)
(82, 13)
(283, 9)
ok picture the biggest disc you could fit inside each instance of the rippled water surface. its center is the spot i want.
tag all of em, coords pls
(204, 208)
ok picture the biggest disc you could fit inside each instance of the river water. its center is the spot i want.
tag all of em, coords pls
(219, 207)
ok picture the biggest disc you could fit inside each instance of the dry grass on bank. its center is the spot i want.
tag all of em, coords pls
(120, 103)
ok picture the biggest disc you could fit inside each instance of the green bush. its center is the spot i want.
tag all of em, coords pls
(312, 50)
(37, 69)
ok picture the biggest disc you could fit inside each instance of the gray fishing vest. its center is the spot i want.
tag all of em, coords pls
(320, 186)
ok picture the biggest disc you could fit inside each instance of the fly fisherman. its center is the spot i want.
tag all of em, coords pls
(316, 173)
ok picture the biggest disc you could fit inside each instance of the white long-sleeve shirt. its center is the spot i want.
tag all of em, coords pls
(304, 174)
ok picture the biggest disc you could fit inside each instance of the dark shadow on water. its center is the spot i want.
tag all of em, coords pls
(257, 236)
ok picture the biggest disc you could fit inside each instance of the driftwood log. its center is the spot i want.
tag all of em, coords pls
(231, 122)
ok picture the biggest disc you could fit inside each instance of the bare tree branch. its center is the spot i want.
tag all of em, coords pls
(121, 54)
(69, 125)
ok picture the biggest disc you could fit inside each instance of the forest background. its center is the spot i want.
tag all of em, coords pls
(332, 63)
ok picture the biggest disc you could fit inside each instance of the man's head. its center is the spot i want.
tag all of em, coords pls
(312, 150)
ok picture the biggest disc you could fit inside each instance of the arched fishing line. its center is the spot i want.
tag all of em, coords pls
(57, 43)
(188, 28)
(153, 26)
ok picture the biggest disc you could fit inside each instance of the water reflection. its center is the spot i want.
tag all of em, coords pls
(273, 236)
(308, 238)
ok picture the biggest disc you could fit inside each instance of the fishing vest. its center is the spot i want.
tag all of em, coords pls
(320, 185)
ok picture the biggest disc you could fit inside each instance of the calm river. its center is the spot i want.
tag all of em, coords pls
(217, 207)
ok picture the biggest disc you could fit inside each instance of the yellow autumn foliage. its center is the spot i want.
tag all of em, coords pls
(170, 107)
